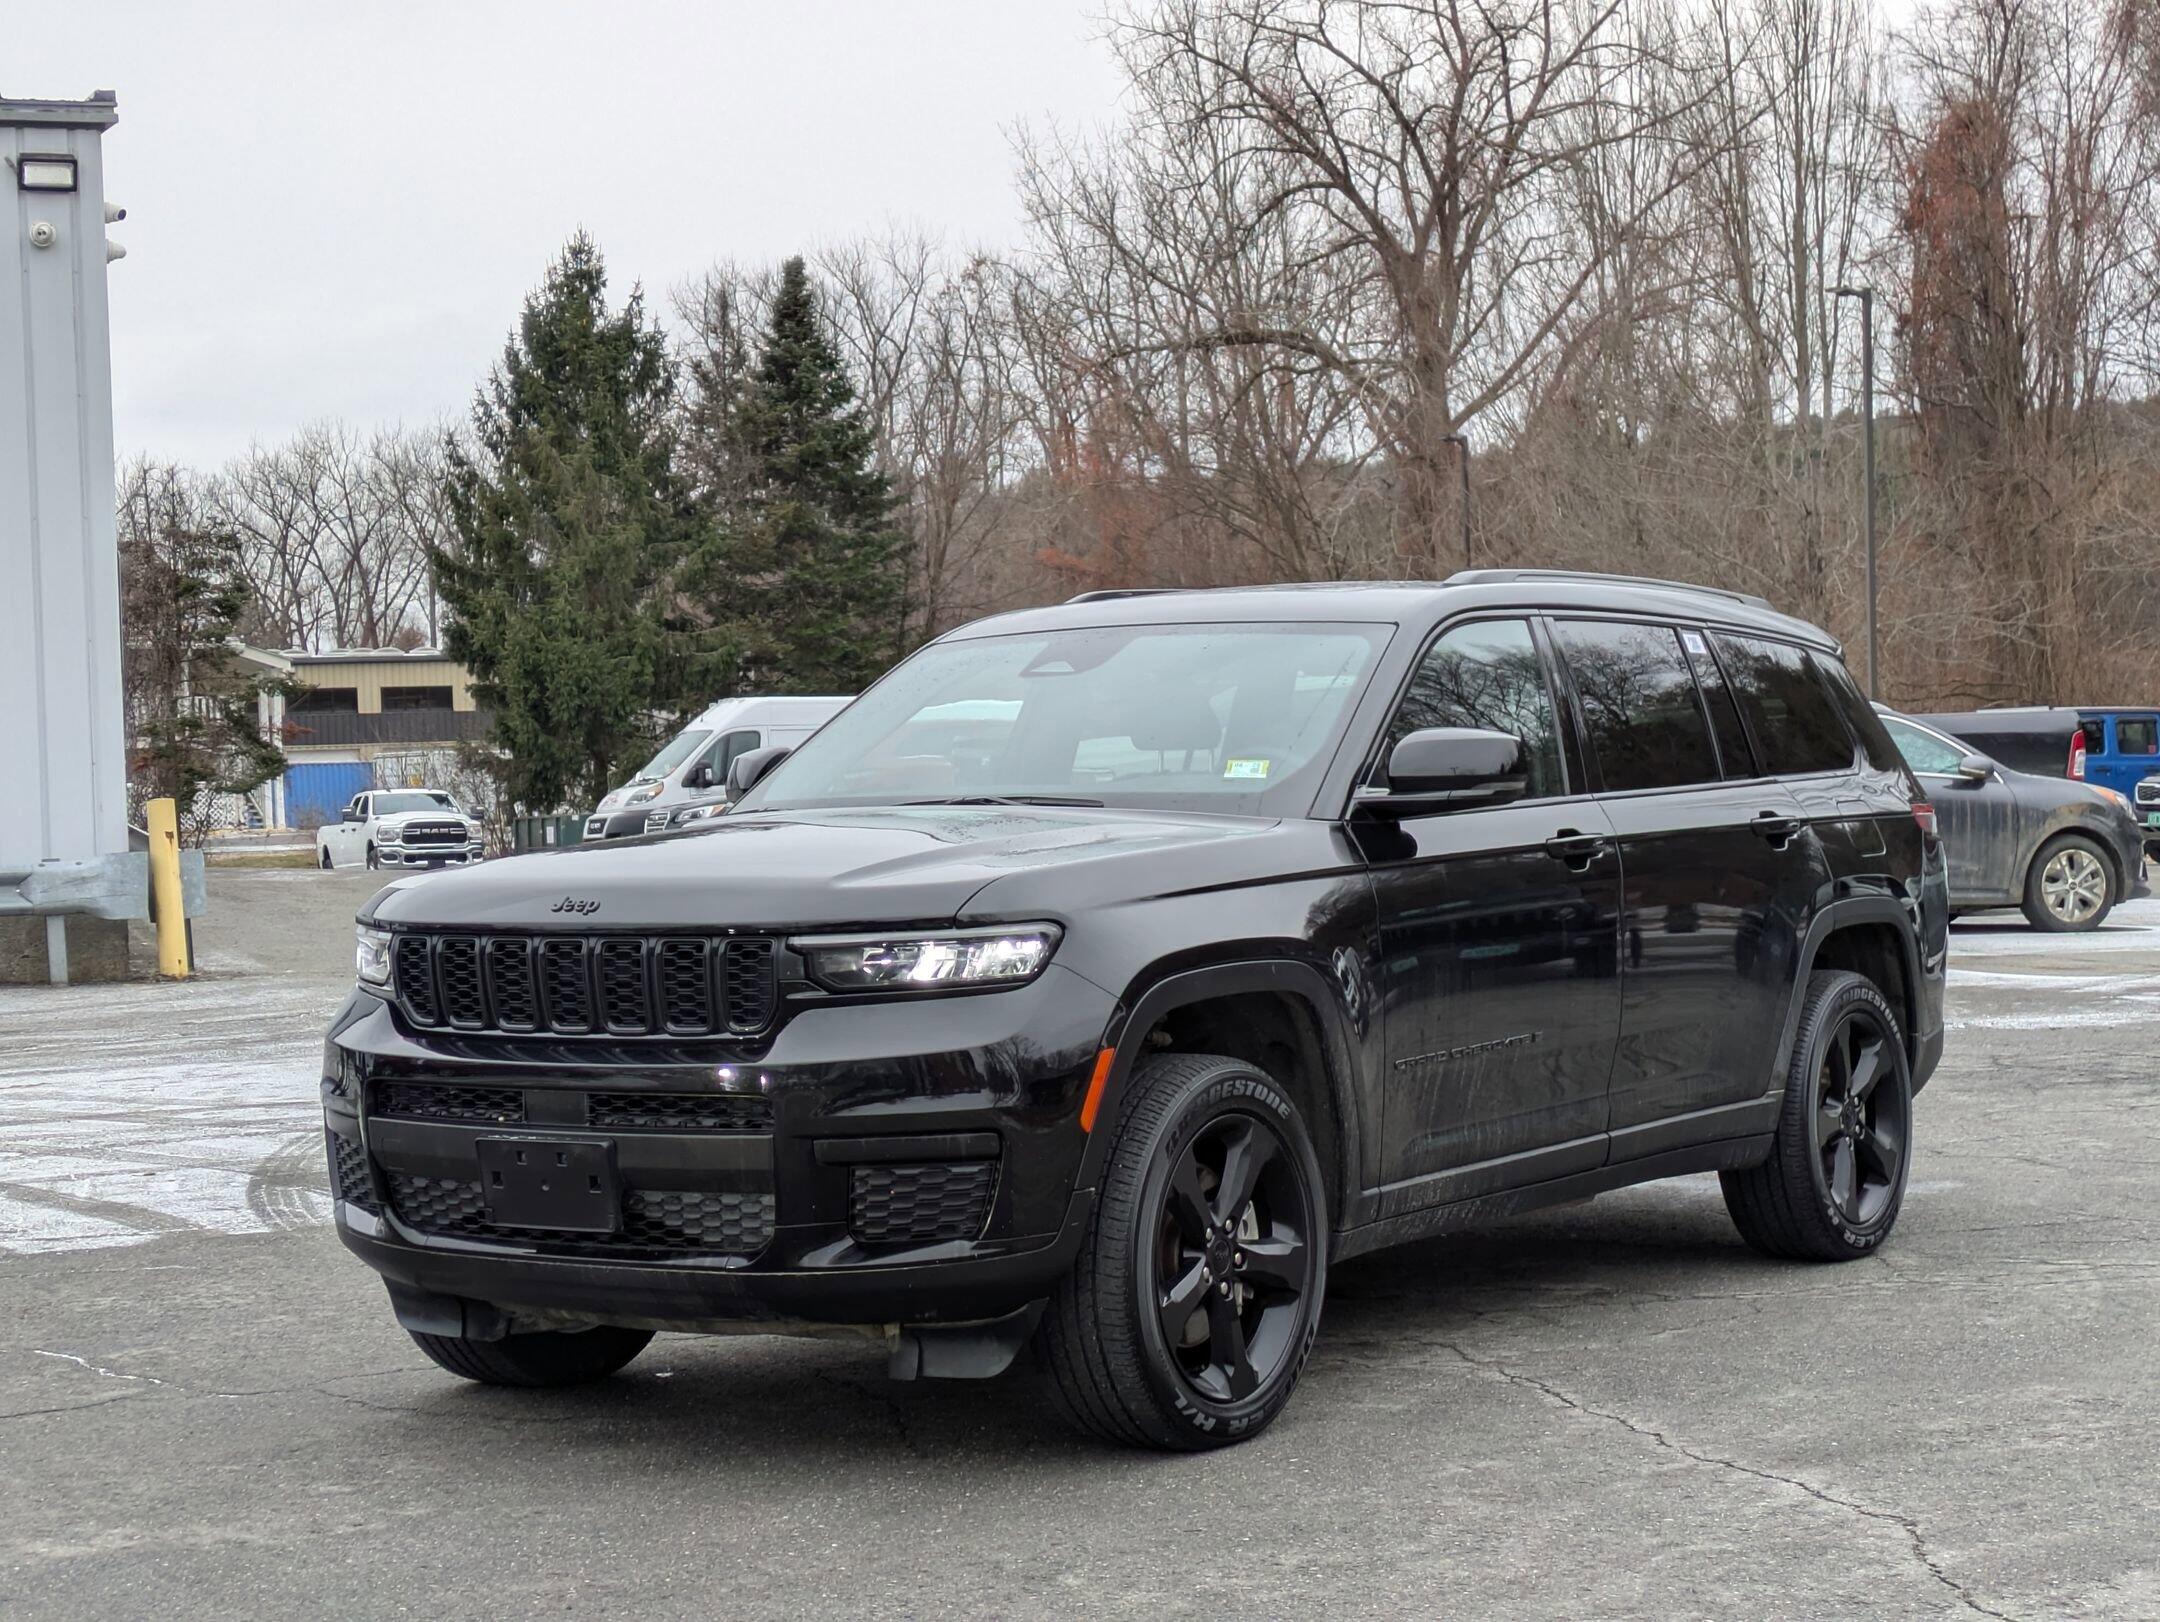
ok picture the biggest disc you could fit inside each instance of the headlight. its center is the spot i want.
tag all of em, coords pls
(389, 836)
(973, 957)
(697, 813)
(371, 957)
(638, 796)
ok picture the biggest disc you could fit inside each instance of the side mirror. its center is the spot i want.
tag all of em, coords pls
(1448, 769)
(1976, 768)
(698, 776)
(750, 768)
(351, 816)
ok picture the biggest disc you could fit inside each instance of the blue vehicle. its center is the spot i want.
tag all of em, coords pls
(2122, 747)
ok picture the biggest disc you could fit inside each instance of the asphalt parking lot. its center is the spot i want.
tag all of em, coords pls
(1614, 1410)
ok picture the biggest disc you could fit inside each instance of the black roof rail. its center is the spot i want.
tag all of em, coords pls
(1502, 577)
(1111, 594)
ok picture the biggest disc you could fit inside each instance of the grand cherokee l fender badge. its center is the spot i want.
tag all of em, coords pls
(1470, 1050)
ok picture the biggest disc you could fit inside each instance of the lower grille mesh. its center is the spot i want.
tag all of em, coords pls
(917, 1204)
(680, 1112)
(665, 1220)
(349, 1174)
(434, 1101)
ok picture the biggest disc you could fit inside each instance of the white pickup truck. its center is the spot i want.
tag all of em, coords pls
(403, 827)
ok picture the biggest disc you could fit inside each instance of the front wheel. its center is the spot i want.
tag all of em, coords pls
(547, 1357)
(1196, 1296)
(2070, 886)
(374, 862)
(322, 858)
(1834, 1181)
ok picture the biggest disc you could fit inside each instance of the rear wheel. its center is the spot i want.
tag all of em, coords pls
(1187, 1319)
(2070, 885)
(1834, 1181)
(547, 1357)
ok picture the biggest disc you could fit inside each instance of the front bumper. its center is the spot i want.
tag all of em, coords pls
(427, 855)
(617, 824)
(967, 1105)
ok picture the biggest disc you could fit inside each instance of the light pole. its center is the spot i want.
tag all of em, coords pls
(1866, 296)
(1462, 465)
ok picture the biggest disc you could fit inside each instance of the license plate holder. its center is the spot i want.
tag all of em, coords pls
(568, 1184)
(2152, 819)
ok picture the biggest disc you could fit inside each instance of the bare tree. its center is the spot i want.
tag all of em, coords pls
(335, 528)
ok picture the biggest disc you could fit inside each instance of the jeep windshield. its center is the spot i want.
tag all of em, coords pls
(1238, 719)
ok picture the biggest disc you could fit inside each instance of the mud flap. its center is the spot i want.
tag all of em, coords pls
(962, 1351)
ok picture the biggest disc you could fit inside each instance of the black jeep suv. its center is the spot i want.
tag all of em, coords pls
(1107, 971)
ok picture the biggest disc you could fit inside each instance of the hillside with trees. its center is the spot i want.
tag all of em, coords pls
(1334, 258)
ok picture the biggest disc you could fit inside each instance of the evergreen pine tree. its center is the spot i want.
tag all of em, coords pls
(572, 531)
(808, 560)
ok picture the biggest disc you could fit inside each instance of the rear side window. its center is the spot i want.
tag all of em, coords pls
(1788, 706)
(1882, 752)
(2136, 735)
(1644, 718)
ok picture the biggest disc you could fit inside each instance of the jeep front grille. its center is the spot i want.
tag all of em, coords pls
(612, 985)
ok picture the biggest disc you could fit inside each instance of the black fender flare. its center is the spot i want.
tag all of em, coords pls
(1288, 977)
(1843, 914)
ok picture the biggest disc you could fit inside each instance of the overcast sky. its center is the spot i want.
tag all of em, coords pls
(334, 211)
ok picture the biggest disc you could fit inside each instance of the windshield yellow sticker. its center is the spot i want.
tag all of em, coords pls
(1245, 768)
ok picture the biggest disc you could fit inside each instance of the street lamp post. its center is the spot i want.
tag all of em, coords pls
(1462, 465)
(1866, 296)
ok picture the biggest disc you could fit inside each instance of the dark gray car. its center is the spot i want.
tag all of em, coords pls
(2064, 852)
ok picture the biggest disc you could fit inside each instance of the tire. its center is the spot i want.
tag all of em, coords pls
(548, 1357)
(2070, 886)
(1835, 1178)
(1248, 1274)
(322, 858)
(374, 862)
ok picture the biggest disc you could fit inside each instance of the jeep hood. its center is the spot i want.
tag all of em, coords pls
(796, 869)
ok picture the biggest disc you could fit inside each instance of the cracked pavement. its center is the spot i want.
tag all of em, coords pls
(1613, 1409)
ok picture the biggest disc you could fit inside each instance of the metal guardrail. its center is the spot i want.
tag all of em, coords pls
(115, 886)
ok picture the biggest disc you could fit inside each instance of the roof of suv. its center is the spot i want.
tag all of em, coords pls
(1417, 603)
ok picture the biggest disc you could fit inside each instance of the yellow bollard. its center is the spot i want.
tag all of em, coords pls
(163, 821)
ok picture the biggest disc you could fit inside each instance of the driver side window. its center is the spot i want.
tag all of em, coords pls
(1485, 674)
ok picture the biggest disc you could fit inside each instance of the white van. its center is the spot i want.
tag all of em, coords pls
(694, 765)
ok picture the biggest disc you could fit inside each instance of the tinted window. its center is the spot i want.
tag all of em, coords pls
(1923, 750)
(1787, 704)
(1639, 703)
(1860, 716)
(1733, 752)
(2135, 735)
(1486, 674)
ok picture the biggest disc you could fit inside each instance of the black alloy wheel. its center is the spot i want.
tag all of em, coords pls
(1232, 1258)
(1861, 1127)
(1834, 1180)
(1192, 1308)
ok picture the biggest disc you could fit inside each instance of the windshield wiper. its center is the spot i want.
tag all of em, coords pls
(1006, 799)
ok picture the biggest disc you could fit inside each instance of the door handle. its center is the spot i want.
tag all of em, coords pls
(1776, 827)
(1575, 849)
